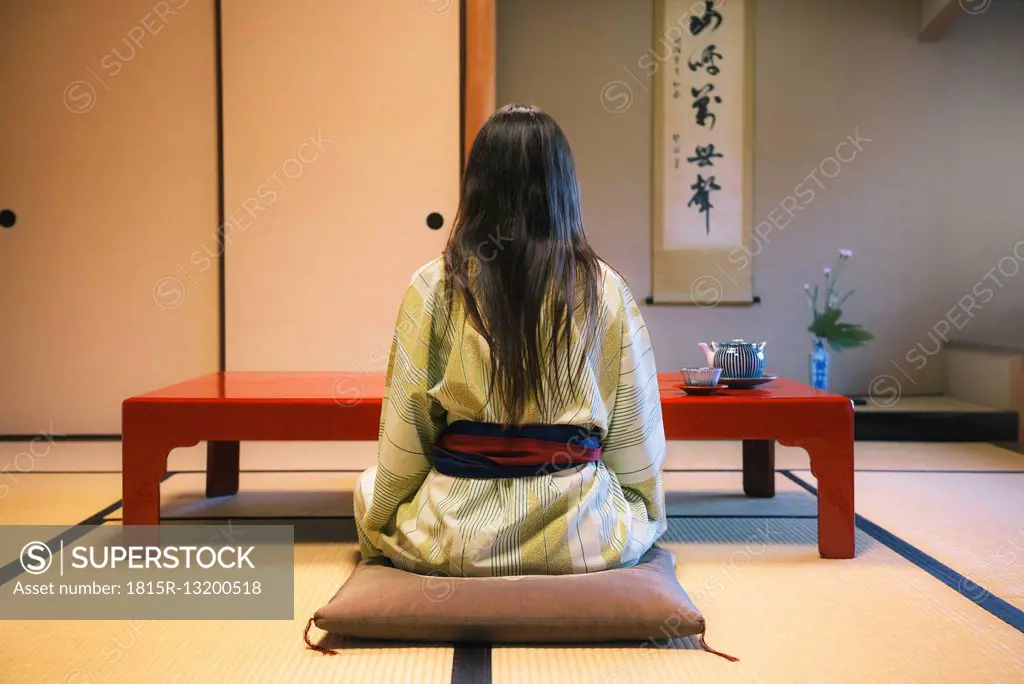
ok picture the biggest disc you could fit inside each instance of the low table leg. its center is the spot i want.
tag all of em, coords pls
(221, 468)
(832, 465)
(143, 465)
(759, 468)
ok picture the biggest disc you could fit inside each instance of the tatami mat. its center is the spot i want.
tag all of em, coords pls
(788, 615)
(717, 494)
(931, 456)
(41, 456)
(971, 522)
(770, 600)
(261, 495)
(55, 499)
(792, 617)
(867, 456)
(316, 494)
(357, 456)
(200, 652)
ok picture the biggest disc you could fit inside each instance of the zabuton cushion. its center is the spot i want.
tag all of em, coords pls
(639, 603)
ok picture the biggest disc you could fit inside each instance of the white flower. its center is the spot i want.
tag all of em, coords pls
(845, 253)
(828, 270)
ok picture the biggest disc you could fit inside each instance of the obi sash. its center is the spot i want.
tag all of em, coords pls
(487, 451)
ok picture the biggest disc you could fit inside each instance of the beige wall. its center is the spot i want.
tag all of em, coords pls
(824, 71)
(983, 196)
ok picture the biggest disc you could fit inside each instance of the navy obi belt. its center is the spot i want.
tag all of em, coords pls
(487, 451)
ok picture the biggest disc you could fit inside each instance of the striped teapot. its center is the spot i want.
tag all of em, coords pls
(737, 359)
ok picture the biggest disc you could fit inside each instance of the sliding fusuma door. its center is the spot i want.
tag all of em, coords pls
(109, 185)
(342, 142)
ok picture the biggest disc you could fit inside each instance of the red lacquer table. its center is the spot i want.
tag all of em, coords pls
(224, 409)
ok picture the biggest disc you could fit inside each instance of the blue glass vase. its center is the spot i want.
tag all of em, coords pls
(819, 365)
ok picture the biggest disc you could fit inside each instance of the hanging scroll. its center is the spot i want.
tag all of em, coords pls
(703, 151)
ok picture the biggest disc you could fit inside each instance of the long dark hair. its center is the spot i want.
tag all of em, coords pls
(518, 260)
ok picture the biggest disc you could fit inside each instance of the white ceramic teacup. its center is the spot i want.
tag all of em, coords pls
(701, 377)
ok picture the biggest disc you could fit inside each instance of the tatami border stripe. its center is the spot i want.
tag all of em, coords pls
(15, 569)
(742, 516)
(980, 596)
(299, 471)
(221, 518)
(471, 664)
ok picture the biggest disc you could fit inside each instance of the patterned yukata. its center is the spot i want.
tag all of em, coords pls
(587, 518)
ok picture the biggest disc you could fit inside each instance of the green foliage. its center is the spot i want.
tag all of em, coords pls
(839, 336)
(825, 323)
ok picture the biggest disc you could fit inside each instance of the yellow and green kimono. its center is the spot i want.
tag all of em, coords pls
(587, 518)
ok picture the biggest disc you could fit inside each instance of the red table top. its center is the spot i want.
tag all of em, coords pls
(351, 388)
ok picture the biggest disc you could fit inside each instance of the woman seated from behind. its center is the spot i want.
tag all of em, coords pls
(521, 430)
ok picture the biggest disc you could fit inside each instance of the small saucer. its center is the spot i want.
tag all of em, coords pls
(746, 383)
(701, 390)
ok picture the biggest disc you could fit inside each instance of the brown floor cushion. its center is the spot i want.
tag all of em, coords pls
(643, 603)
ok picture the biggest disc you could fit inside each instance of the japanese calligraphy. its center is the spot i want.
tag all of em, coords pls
(707, 59)
(703, 123)
(702, 198)
(703, 155)
(701, 72)
(677, 51)
(698, 24)
(700, 103)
